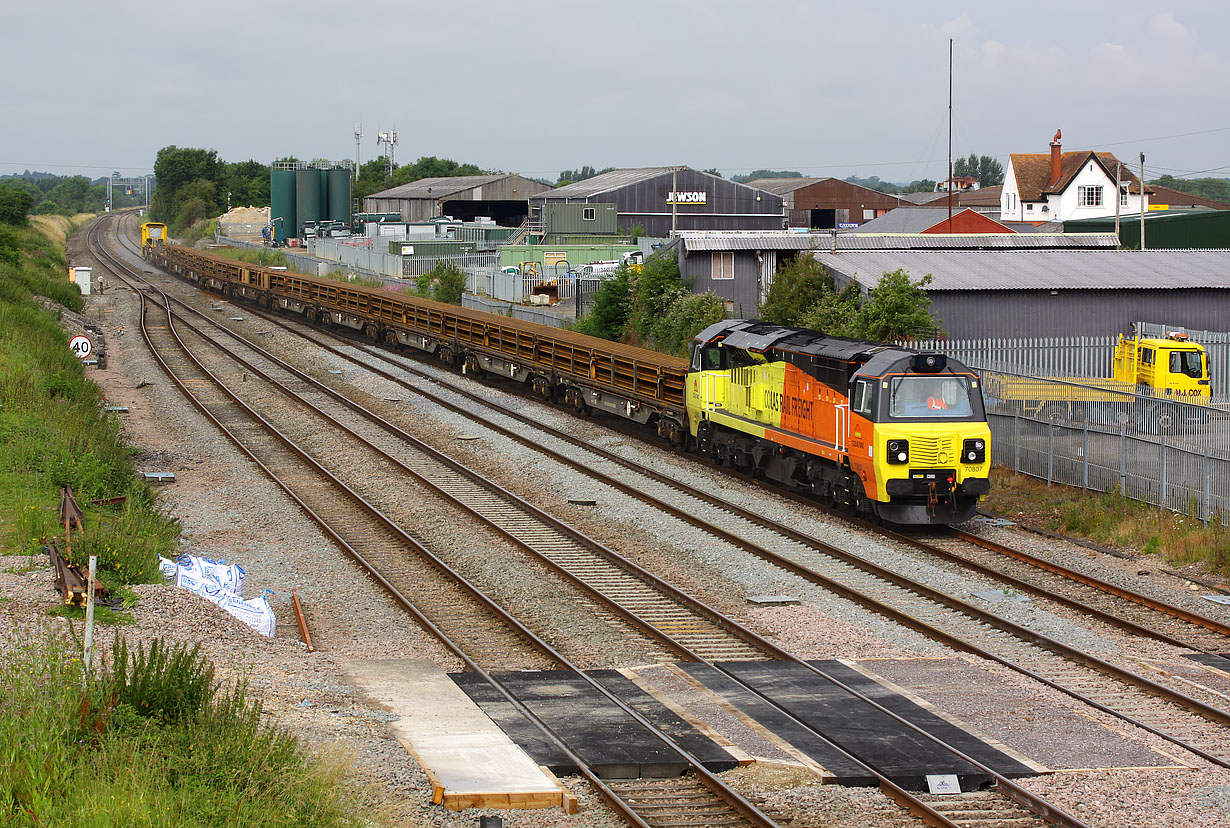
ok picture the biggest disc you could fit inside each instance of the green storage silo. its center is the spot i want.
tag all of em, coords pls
(282, 204)
(307, 197)
(339, 195)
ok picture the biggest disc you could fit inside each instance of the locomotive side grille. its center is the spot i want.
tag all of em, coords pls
(933, 450)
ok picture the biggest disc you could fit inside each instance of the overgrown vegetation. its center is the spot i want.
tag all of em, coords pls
(1111, 519)
(151, 739)
(54, 430)
(803, 295)
(650, 306)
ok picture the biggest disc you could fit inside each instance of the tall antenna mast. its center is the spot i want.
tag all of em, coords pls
(389, 139)
(950, 135)
(358, 135)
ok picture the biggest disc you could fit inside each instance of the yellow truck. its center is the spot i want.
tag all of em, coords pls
(1150, 376)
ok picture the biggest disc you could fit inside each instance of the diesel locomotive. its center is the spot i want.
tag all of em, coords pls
(892, 432)
(887, 431)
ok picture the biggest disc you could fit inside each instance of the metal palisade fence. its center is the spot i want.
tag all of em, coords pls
(1168, 453)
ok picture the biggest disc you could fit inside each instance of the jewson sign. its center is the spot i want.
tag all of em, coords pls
(685, 198)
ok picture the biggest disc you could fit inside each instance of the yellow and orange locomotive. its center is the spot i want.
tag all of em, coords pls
(892, 432)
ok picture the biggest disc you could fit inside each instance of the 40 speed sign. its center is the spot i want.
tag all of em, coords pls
(81, 346)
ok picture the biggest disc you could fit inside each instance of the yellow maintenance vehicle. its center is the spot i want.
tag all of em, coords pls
(1150, 375)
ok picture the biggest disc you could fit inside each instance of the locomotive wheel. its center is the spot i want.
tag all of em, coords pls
(471, 368)
(309, 316)
(448, 357)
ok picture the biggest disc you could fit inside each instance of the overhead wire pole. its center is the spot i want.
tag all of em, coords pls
(949, 135)
(1142, 201)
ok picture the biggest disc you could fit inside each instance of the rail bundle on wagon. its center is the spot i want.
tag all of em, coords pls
(887, 431)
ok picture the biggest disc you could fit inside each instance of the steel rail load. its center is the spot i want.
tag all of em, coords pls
(887, 431)
(560, 366)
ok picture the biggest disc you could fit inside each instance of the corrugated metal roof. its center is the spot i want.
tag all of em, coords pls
(781, 186)
(1040, 269)
(694, 241)
(605, 182)
(437, 187)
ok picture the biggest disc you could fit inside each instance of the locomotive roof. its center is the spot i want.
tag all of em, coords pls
(758, 335)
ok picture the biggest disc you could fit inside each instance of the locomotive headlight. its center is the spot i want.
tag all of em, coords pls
(898, 451)
(974, 451)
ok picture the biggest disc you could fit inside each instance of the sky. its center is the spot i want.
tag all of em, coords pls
(539, 86)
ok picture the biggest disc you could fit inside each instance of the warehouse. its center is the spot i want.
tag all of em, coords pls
(739, 267)
(502, 198)
(657, 201)
(1165, 230)
(827, 203)
(1029, 293)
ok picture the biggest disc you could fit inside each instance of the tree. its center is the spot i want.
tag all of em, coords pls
(175, 169)
(798, 286)
(654, 287)
(753, 176)
(15, 204)
(988, 171)
(1217, 189)
(897, 308)
(612, 305)
(573, 176)
(687, 314)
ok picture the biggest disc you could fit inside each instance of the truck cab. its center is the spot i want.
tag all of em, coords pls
(1173, 368)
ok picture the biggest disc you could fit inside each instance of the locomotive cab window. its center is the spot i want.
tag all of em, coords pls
(939, 396)
(707, 358)
(860, 400)
(1146, 356)
(1187, 363)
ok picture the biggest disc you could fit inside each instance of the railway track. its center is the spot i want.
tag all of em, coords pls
(678, 632)
(1175, 715)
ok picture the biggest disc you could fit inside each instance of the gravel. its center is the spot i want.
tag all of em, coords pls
(229, 510)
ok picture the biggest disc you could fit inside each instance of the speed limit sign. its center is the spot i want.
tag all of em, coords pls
(81, 346)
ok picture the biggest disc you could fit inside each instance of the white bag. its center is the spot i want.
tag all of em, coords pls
(212, 579)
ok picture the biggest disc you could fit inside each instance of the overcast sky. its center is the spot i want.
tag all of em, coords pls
(534, 87)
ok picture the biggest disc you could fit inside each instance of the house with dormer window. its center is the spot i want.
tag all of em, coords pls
(1063, 186)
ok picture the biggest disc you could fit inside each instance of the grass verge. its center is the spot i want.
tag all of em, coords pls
(1111, 519)
(54, 430)
(152, 740)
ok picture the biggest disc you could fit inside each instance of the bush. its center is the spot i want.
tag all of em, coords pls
(15, 203)
(444, 283)
(687, 315)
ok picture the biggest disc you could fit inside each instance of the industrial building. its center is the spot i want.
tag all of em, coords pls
(658, 201)
(502, 198)
(1180, 229)
(1038, 293)
(740, 267)
(932, 220)
(828, 203)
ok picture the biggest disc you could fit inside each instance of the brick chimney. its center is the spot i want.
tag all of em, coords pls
(1056, 164)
